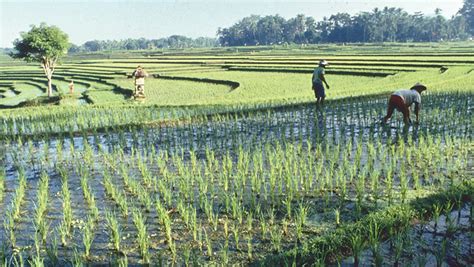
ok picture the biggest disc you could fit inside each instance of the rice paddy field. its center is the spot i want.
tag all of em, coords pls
(228, 161)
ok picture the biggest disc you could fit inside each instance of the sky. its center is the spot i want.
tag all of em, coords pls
(114, 20)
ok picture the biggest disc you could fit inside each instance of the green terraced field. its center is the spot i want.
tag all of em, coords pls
(265, 75)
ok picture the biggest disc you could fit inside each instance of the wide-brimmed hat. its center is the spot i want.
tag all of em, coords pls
(323, 62)
(419, 86)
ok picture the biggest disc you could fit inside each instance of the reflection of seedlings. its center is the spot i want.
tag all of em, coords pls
(421, 259)
(226, 229)
(249, 247)
(235, 232)
(457, 249)
(249, 222)
(208, 244)
(440, 254)
(458, 205)
(357, 244)
(52, 252)
(77, 259)
(337, 215)
(37, 243)
(186, 255)
(122, 261)
(9, 226)
(275, 238)
(374, 241)
(416, 180)
(300, 220)
(36, 261)
(450, 225)
(360, 185)
(263, 226)
(88, 237)
(398, 244)
(2, 183)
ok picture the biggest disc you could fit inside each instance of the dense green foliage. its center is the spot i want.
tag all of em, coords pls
(174, 41)
(468, 12)
(44, 44)
(380, 25)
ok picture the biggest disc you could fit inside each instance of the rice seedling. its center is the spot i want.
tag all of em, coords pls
(142, 235)
(114, 230)
(88, 235)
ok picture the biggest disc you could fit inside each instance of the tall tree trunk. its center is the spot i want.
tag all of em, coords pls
(50, 87)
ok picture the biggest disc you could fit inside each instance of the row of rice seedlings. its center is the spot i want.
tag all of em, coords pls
(39, 221)
(298, 118)
(143, 239)
(113, 226)
(65, 226)
(13, 213)
(115, 232)
(88, 235)
(435, 97)
(165, 221)
(88, 193)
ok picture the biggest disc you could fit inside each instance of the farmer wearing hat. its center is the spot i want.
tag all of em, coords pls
(402, 100)
(139, 75)
(318, 79)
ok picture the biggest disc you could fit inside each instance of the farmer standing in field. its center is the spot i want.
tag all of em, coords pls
(402, 100)
(318, 79)
(139, 75)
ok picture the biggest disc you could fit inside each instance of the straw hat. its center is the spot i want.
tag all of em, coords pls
(323, 62)
(419, 86)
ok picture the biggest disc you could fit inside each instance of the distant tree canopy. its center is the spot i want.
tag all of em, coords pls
(379, 25)
(174, 41)
(467, 11)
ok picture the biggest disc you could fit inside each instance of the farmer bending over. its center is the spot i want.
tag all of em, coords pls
(139, 75)
(318, 79)
(402, 100)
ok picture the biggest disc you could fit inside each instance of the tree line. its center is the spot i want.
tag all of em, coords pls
(378, 25)
(174, 41)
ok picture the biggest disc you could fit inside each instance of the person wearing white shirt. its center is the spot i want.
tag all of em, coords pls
(402, 100)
